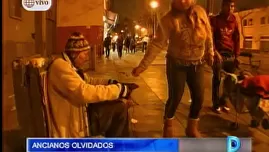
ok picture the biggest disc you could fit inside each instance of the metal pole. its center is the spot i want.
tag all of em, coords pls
(153, 24)
(212, 6)
(208, 6)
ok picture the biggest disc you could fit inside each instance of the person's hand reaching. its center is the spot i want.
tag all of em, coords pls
(137, 71)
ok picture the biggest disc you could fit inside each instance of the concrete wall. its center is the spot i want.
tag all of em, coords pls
(17, 40)
(83, 16)
(255, 31)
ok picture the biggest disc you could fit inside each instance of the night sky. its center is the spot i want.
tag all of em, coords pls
(133, 9)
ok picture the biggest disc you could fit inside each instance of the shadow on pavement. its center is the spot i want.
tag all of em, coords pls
(13, 141)
(216, 126)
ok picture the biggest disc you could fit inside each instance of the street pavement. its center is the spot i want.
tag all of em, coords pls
(150, 99)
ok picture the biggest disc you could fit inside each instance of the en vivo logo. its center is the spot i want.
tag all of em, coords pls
(36, 5)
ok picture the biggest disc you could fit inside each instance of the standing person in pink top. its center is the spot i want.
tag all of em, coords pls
(187, 28)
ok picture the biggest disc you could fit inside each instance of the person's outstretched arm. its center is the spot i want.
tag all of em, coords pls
(158, 44)
(69, 84)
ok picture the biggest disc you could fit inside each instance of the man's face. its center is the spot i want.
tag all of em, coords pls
(183, 4)
(81, 59)
(228, 8)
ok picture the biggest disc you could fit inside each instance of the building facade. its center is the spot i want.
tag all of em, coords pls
(254, 28)
(85, 17)
(26, 33)
(110, 18)
(212, 7)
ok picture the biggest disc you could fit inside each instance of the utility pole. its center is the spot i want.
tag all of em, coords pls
(209, 6)
(154, 5)
(154, 23)
(212, 6)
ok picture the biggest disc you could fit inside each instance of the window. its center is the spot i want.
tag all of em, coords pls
(264, 46)
(250, 22)
(15, 9)
(245, 23)
(263, 20)
(247, 44)
(264, 38)
(248, 38)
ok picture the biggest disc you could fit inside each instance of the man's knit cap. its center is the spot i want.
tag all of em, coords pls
(77, 43)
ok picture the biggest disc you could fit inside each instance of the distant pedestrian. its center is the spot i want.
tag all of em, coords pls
(188, 30)
(114, 43)
(145, 41)
(133, 44)
(120, 45)
(127, 42)
(107, 44)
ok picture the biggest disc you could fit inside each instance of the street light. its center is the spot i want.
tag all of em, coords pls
(137, 27)
(143, 31)
(154, 4)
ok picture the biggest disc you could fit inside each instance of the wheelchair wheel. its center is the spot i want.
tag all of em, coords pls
(265, 124)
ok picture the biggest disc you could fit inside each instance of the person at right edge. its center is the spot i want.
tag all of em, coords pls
(226, 39)
(187, 29)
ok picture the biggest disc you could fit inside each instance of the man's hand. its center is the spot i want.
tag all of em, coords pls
(127, 89)
(137, 71)
(131, 86)
(218, 57)
(112, 81)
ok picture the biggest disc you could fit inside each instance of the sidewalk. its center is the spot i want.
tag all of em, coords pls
(152, 95)
(149, 110)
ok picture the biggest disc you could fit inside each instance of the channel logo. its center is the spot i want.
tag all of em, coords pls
(233, 144)
(36, 5)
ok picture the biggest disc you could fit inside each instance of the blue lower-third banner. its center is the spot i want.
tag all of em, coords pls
(103, 144)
